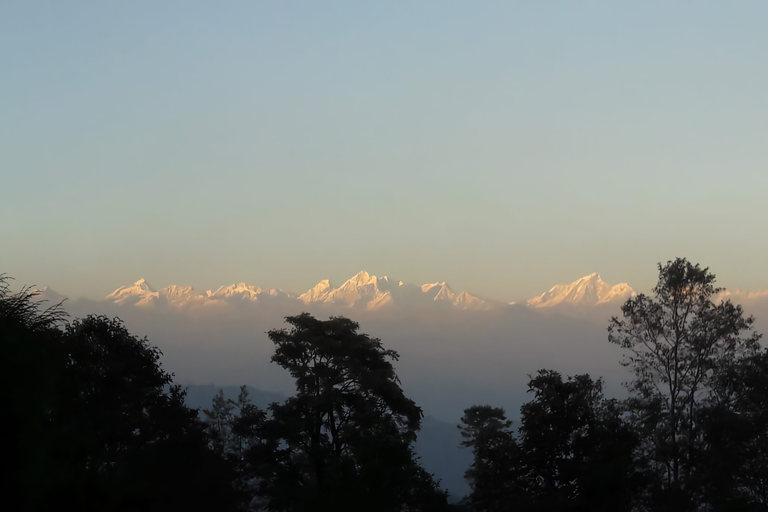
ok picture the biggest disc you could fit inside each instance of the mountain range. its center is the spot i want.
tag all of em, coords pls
(367, 292)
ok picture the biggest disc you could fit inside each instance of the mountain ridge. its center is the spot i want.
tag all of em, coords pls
(365, 291)
(589, 290)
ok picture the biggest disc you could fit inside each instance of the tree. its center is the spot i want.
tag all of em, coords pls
(734, 458)
(494, 474)
(680, 343)
(572, 452)
(33, 362)
(577, 453)
(94, 423)
(129, 439)
(343, 442)
(233, 428)
(219, 425)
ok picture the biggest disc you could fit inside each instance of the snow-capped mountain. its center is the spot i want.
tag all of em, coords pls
(590, 290)
(366, 292)
(246, 292)
(317, 294)
(362, 291)
(139, 294)
(179, 294)
(438, 291)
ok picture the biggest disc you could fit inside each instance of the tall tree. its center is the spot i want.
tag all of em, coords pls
(234, 428)
(494, 476)
(219, 421)
(679, 343)
(577, 453)
(343, 442)
(572, 452)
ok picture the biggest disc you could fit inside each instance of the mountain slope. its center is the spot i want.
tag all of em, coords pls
(139, 294)
(588, 291)
(366, 291)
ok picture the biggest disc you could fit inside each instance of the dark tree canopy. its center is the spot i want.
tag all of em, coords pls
(572, 452)
(494, 475)
(577, 452)
(343, 442)
(34, 361)
(96, 423)
(138, 440)
(348, 374)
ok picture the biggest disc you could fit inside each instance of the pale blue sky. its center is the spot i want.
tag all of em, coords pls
(502, 146)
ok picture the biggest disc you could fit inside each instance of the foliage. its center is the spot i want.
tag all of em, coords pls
(573, 452)
(680, 345)
(576, 450)
(234, 428)
(343, 442)
(97, 423)
(734, 458)
(220, 420)
(33, 363)
(494, 474)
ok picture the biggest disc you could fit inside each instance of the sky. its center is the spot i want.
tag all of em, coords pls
(504, 147)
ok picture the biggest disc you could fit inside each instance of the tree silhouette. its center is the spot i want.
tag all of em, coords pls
(733, 461)
(680, 346)
(494, 475)
(577, 453)
(130, 442)
(33, 363)
(573, 452)
(343, 442)
(96, 424)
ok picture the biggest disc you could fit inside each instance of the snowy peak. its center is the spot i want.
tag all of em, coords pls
(360, 290)
(139, 293)
(362, 278)
(467, 301)
(245, 292)
(142, 294)
(317, 294)
(438, 291)
(366, 291)
(176, 293)
(143, 284)
(590, 290)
